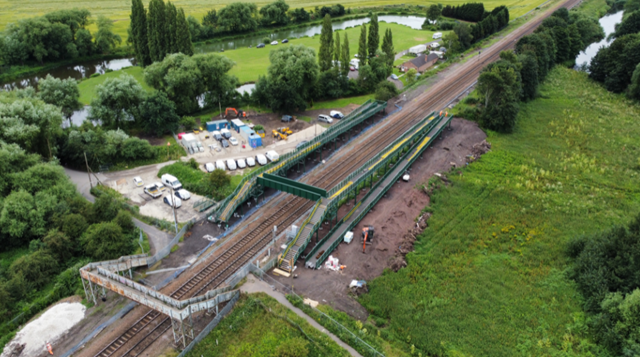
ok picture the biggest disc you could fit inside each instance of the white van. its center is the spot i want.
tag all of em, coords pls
(325, 118)
(241, 163)
(171, 181)
(262, 160)
(272, 155)
(209, 167)
(437, 35)
(251, 162)
(220, 165)
(231, 164)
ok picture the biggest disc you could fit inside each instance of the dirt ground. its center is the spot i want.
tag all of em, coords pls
(394, 215)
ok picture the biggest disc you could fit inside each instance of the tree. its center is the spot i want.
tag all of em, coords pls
(157, 114)
(631, 6)
(61, 92)
(630, 24)
(125, 221)
(116, 99)
(452, 42)
(387, 48)
(337, 51)
(37, 268)
(463, 31)
(291, 78)
(344, 56)
(499, 92)
(73, 225)
(104, 209)
(219, 179)
(275, 13)
(196, 30)
(325, 53)
(373, 41)
(183, 35)
(362, 46)
(59, 245)
(299, 15)
(411, 76)
(617, 327)
(634, 88)
(105, 39)
(171, 24)
(210, 19)
(563, 44)
(238, 17)
(433, 13)
(529, 75)
(84, 43)
(386, 90)
(156, 30)
(576, 41)
(20, 219)
(106, 241)
(139, 33)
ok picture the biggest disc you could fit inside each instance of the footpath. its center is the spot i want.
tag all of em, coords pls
(254, 285)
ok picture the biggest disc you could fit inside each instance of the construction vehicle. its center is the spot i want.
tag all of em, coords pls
(285, 130)
(279, 135)
(367, 237)
(238, 113)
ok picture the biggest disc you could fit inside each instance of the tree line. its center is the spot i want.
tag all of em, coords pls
(516, 76)
(296, 76)
(473, 11)
(160, 31)
(56, 36)
(618, 66)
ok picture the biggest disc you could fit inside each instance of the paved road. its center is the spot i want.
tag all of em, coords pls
(157, 238)
(254, 285)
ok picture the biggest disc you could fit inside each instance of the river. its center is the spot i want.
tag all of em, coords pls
(608, 23)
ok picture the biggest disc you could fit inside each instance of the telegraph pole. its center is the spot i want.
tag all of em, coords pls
(88, 173)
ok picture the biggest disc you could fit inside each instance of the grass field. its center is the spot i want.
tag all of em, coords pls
(119, 10)
(88, 86)
(260, 326)
(487, 275)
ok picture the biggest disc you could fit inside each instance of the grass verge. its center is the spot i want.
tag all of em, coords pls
(88, 86)
(487, 275)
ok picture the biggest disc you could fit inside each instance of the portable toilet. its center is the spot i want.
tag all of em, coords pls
(215, 125)
(236, 124)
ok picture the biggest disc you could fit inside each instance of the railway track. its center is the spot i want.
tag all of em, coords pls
(153, 324)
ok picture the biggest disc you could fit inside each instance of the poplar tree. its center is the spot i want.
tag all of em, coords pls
(387, 47)
(374, 36)
(362, 47)
(171, 27)
(183, 36)
(162, 29)
(325, 53)
(337, 50)
(139, 33)
(345, 56)
(154, 38)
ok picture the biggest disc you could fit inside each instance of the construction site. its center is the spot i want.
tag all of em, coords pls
(343, 206)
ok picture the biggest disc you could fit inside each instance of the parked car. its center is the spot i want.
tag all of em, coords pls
(336, 114)
(209, 167)
(260, 45)
(272, 155)
(153, 191)
(172, 201)
(231, 164)
(241, 163)
(233, 141)
(352, 68)
(251, 162)
(273, 43)
(325, 118)
(301, 144)
(138, 181)
(394, 76)
(225, 133)
(224, 143)
(286, 118)
(216, 135)
(200, 147)
(220, 165)
(183, 194)
(261, 159)
(171, 181)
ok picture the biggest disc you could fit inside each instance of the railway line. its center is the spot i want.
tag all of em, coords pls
(152, 325)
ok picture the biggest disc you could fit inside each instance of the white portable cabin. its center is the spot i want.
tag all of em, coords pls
(188, 139)
(437, 35)
(418, 49)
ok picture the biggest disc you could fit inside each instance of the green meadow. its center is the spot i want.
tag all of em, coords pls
(487, 277)
(119, 10)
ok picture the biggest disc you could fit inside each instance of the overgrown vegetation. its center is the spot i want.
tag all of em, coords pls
(486, 278)
(260, 326)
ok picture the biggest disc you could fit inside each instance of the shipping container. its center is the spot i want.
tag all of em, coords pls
(217, 125)
(236, 124)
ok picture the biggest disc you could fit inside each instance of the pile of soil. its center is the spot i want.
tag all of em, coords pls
(398, 260)
(478, 150)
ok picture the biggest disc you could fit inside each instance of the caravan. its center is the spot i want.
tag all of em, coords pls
(437, 35)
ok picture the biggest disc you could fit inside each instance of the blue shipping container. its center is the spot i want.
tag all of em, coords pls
(217, 125)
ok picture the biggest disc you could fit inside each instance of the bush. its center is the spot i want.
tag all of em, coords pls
(188, 123)
(104, 209)
(219, 178)
(125, 221)
(36, 268)
(266, 40)
(105, 240)
(192, 163)
(386, 90)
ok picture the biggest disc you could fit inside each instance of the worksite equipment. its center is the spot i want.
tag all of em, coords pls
(278, 135)
(285, 130)
(367, 237)
(230, 110)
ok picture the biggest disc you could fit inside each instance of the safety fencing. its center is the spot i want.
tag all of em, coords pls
(162, 253)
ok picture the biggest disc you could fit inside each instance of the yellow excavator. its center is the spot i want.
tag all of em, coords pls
(279, 135)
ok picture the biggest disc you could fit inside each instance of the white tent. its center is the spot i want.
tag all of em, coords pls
(418, 49)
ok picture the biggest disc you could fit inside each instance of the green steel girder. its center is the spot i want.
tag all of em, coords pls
(291, 186)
